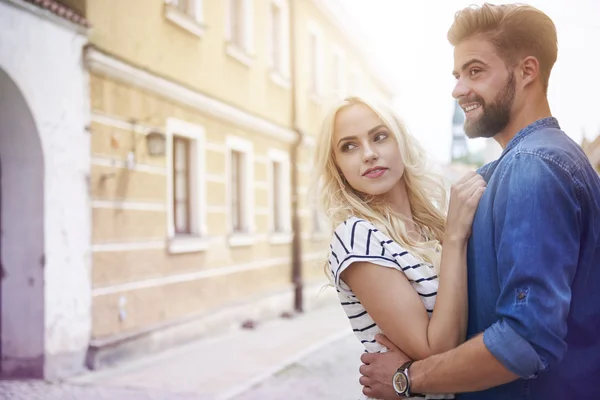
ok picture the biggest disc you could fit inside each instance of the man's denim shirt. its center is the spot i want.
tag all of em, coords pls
(534, 267)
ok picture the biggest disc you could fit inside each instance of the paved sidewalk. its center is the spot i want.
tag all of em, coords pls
(331, 373)
(224, 367)
(40, 390)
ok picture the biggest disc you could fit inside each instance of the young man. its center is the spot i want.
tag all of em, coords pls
(534, 252)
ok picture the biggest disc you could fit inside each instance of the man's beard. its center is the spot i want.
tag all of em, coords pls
(496, 115)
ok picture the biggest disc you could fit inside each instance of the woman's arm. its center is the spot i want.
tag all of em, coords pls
(397, 309)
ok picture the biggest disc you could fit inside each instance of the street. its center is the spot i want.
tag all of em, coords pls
(311, 356)
(40, 390)
(327, 373)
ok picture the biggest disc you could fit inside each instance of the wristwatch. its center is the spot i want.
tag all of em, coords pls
(401, 380)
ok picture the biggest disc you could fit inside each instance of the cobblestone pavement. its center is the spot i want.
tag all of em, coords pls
(328, 374)
(40, 390)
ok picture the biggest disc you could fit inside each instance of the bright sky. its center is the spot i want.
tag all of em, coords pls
(408, 42)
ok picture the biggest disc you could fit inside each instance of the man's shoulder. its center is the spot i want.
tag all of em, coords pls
(550, 146)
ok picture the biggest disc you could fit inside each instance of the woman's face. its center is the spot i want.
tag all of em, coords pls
(366, 151)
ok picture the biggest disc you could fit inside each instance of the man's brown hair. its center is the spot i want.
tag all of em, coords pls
(515, 30)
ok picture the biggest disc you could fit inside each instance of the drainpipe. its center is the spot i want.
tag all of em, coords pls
(296, 225)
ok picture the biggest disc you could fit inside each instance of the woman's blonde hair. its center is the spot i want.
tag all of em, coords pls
(426, 191)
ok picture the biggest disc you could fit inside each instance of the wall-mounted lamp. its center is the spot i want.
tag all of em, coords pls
(156, 143)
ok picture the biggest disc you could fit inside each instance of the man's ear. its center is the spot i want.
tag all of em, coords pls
(529, 70)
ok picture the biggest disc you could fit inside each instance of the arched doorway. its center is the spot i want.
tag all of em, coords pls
(21, 237)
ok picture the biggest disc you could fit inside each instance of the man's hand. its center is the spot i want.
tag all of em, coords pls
(378, 370)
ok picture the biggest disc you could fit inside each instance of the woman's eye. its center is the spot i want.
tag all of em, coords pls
(380, 136)
(348, 147)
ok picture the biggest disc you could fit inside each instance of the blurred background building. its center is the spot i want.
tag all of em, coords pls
(592, 149)
(156, 157)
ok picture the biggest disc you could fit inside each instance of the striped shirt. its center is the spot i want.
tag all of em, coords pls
(357, 240)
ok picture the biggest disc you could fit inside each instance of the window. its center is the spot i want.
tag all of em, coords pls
(338, 78)
(356, 88)
(279, 196)
(240, 30)
(319, 225)
(185, 6)
(181, 185)
(237, 191)
(279, 38)
(316, 59)
(187, 14)
(316, 221)
(276, 32)
(278, 218)
(314, 68)
(240, 193)
(186, 210)
(237, 23)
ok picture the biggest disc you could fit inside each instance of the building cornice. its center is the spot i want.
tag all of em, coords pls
(104, 64)
(54, 12)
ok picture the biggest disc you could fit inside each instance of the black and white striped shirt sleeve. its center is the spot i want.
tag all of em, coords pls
(356, 240)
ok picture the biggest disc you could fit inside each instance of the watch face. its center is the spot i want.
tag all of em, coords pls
(400, 383)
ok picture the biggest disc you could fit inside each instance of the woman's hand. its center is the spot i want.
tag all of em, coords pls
(464, 199)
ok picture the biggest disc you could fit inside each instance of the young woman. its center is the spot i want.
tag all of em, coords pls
(389, 214)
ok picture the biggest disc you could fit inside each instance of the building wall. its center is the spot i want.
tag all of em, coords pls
(357, 78)
(592, 150)
(323, 18)
(46, 294)
(131, 265)
(139, 32)
(149, 74)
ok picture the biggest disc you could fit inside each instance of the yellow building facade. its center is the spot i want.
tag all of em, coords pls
(203, 118)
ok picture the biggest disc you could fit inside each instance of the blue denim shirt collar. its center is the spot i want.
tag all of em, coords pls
(523, 133)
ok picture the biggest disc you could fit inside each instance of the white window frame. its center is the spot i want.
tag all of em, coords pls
(192, 22)
(338, 78)
(316, 77)
(197, 240)
(244, 53)
(284, 186)
(356, 83)
(280, 75)
(246, 238)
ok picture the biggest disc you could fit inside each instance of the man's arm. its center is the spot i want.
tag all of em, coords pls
(470, 367)
(536, 217)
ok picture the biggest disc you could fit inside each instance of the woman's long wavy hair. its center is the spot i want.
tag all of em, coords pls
(426, 191)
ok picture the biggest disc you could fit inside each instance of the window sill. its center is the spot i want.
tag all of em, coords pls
(281, 238)
(184, 21)
(238, 54)
(279, 80)
(187, 244)
(241, 239)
